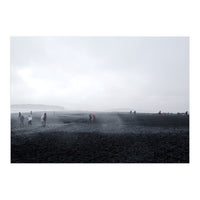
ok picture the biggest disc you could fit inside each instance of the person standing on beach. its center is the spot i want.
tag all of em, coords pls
(21, 123)
(44, 119)
(90, 117)
(29, 120)
(131, 115)
(19, 115)
(93, 117)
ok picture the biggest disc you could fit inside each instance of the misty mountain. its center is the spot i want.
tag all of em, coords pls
(35, 107)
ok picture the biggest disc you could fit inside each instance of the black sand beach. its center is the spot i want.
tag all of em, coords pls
(112, 138)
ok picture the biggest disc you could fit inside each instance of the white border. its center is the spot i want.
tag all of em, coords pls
(99, 18)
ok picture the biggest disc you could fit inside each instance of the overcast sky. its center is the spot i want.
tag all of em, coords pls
(145, 74)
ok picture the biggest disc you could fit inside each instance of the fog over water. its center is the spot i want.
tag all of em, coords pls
(146, 74)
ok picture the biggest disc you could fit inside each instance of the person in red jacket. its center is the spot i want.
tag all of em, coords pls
(94, 117)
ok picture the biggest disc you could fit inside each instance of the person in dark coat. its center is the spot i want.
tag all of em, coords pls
(21, 123)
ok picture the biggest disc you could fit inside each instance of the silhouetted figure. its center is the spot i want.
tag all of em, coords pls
(159, 112)
(44, 119)
(131, 115)
(186, 113)
(19, 115)
(134, 112)
(90, 117)
(21, 123)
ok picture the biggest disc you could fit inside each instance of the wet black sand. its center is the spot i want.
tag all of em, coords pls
(112, 138)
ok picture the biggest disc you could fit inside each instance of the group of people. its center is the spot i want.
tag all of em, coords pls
(92, 117)
(30, 118)
(22, 118)
(131, 112)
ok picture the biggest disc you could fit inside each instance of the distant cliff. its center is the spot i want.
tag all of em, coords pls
(35, 107)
